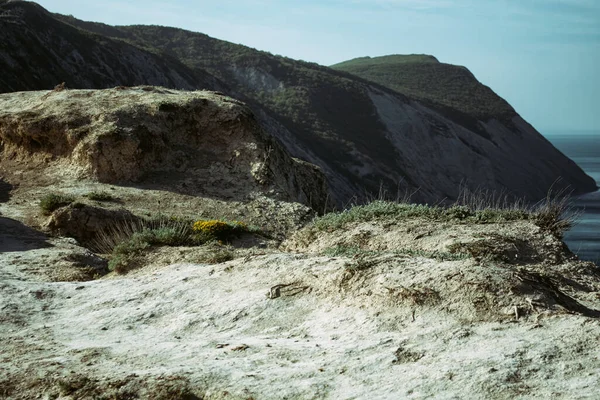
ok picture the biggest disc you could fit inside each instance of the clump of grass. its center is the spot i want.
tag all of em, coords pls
(555, 215)
(54, 201)
(376, 210)
(100, 196)
(126, 255)
(386, 210)
(119, 232)
(485, 199)
(126, 241)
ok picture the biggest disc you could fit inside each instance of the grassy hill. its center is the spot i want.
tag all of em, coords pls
(387, 60)
(424, 78)
(39, 52)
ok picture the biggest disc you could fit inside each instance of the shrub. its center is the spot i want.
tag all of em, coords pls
(54, 201)
(125, 255)
(218, 230)
(100, 196)
(128, 240)
(217, 254)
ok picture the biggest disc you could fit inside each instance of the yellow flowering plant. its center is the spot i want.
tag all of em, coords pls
(218, 229)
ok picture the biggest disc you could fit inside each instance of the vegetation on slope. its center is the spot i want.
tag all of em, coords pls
(328, 110)
(424, 78)
(128, 241)
(387, 60)
(324, 115)
(54, 201)
(552, 216)
(40, 52)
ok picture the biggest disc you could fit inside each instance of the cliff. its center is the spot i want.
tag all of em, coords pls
(198, 143)
(367, 137)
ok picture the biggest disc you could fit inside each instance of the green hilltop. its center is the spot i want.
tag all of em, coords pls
(386, 60)
(424, 78)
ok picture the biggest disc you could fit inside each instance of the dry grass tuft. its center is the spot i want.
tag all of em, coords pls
(127, 241)
(556, 214)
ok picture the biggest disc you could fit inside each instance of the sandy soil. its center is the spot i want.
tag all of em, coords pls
(230, 331)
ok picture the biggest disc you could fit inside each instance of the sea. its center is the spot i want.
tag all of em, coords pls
(583, 148)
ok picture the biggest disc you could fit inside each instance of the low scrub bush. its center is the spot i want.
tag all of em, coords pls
(126, 254)
(386, 210)
(216, 254)
(215, 229)
(54, 201)
(100, 196)
(127, 240)
(554, 214)
(348, 251)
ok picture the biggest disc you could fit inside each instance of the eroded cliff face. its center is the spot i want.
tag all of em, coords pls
(443, 156)
(198, 143)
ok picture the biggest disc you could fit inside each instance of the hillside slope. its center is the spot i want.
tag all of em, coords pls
(441, 85)
(366, 138)
(39, 52)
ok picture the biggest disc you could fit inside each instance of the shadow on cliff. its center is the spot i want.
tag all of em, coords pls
(5, 189)
(14, 236)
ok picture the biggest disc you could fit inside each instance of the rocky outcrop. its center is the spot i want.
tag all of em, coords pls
(198, 143)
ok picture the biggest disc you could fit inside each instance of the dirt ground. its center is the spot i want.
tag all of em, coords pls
(285, 325)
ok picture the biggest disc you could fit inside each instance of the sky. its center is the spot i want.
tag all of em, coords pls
(542, 56)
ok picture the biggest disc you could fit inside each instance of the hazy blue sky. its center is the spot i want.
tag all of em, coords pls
(543, 56)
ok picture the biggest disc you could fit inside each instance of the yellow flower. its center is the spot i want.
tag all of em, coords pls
(213, 227)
